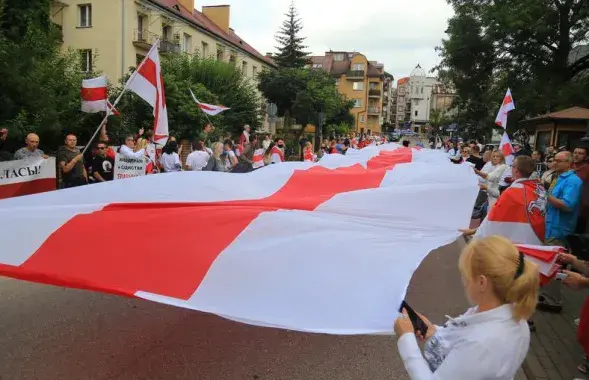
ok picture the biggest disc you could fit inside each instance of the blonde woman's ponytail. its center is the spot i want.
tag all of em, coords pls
(515, 280)
(523, 294)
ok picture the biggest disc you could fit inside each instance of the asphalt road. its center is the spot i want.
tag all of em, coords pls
(53, 333)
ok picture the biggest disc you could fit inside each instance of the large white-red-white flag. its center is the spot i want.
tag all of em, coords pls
(507, 106)
(248, 237)
(209, 109)
(95, 96)
(148, 83)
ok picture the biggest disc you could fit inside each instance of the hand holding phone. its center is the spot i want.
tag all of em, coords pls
(561, 276)
(418, 324)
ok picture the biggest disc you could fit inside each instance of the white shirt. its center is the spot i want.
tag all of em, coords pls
(171, 162)
(474, 346)
(128, 152)
(197, 160)
(230, 155)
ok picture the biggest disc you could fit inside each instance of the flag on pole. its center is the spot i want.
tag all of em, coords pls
(505, 145)
(209, 109)
(507, 106)
(94, 95)
(147, 82)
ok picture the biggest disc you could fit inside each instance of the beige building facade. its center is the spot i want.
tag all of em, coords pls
(361, 81)
(114, 35)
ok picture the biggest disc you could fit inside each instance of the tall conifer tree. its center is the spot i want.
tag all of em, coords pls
(291, 51)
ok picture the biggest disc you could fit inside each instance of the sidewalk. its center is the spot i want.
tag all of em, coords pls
(554, 353)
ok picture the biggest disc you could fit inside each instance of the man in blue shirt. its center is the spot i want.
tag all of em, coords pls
(562, 212)
(563, 201)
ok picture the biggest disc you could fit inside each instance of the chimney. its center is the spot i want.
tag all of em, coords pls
(188, 4)
(219, 14)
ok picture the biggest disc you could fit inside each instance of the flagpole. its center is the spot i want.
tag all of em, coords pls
(155, 45)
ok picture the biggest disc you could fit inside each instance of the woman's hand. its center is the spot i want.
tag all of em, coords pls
(566, 258)
(483, 186)
(431, 329)
(574, 280)
(468, 231)
(403, 325)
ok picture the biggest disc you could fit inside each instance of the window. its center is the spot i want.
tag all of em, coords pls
(358, 86)
(166, 33)
(339, 57)
(317, 65)
(254, 71)
(358, 67)
(244, 67)
(141, 34)
(362, 118)
(233, 57)
(187, 43)
(357, 103)
(86, 60)
(205, 49)
(416, 113)
(220, 53)
(422, 89)
(85, 12)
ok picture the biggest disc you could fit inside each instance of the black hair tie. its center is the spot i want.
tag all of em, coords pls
(520, 266)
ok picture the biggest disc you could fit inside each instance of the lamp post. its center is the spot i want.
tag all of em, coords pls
(319, 129)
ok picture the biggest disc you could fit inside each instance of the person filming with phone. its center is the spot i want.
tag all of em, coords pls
(490, 340)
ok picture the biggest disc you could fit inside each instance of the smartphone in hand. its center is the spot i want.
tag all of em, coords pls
(418, 323)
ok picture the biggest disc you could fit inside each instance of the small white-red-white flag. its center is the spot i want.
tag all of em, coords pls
(94, 95)
(209, 109)
(147, 82)
(505, 146)
(507, 106)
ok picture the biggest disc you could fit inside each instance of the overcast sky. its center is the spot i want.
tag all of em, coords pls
(398, 33)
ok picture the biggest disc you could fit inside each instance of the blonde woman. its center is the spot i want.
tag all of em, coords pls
(490, 341)
(215, 163)
(492, 178)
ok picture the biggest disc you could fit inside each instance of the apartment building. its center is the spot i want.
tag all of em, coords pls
(417, 96)
(113, 35)
(388, 99)
(360, 80)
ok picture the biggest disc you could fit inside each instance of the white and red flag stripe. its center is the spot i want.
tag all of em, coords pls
(148, 83)
(543, 256)
(112, 109)
(507, 106)
(518, 214)
(506, 147)
(324, 247)
(209, 109)
(94, 95)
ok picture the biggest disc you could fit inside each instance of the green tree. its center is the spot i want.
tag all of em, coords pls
(291, 51)
(530, 46)
(40, 86)
(211, 82)
(300, 94)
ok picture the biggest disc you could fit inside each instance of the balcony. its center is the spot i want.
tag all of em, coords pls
(167, 46)
(355, 74)
(374, 111)
(144, 39)
(374, 93)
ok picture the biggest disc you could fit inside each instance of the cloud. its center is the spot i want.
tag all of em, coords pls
(398, 33)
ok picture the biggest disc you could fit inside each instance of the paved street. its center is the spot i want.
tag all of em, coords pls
(54, 333)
